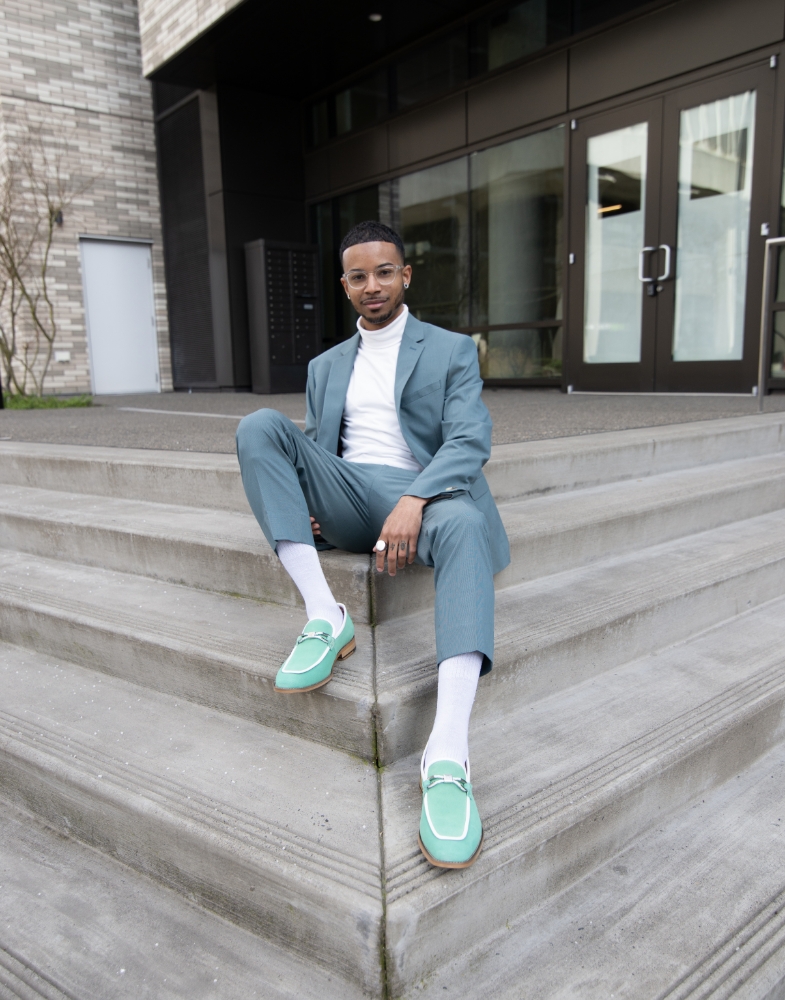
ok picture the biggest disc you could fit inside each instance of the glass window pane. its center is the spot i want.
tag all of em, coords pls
(615, 206)
(359, 206)
(715, 183)
(589, 13)
(520, 353)
(517, 229)
(512, 34)
(362, 105)
(778, 346)
(319, 123)
(430, 209)
(431, 70)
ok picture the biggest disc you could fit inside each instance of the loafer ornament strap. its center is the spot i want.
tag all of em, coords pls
(324, 636)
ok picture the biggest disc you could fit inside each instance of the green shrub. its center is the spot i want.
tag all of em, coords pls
(16, 402)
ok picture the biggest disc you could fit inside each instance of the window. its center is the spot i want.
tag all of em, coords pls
(517, 209)
(484, 236)
(362, 105)
(431, 70)
(432, 215)
(330, 222)
(516, 32)
(512, 32)
(319, 124)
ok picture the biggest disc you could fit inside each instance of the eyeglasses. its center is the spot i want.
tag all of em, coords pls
(385, 275)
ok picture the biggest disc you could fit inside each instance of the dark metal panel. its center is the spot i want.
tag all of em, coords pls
(258, 328)
(354, 160)
(668, 42)
(186, 253)
(284, 313)
(435, 129)
(528, 94)
(216, 237)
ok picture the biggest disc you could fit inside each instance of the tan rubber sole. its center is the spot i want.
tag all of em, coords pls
(347, 650)
(449, 864)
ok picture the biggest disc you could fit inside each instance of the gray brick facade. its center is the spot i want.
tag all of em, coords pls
(74, 69)
(167, 26)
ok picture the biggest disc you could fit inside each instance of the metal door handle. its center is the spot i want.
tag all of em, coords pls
(641, 260)
(668, 258)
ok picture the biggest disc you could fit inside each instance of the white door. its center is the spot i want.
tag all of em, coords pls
(118, 295)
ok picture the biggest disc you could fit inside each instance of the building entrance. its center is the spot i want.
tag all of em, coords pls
(669, 198)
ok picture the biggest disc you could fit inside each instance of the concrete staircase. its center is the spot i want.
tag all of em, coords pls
(173, 828)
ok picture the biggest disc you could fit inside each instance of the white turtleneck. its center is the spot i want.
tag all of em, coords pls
(370, 432)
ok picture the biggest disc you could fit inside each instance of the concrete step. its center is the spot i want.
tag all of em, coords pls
(694, 910)
(224, 651)
(77, 925)
(215, 650)
(225, 551)
(559, 631)
(515, 470)
(568, 781)
(280, 835)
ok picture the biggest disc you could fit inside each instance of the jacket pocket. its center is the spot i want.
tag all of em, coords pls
(479, 487)
(418, 393)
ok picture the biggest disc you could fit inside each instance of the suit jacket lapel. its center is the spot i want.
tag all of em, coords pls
(411, 349)
(335, 395)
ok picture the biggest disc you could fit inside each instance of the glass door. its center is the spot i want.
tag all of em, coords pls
(615, 193)
(666, 250)
(714, 202)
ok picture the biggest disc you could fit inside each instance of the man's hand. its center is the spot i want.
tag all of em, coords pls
(315, 528)
(401, 531)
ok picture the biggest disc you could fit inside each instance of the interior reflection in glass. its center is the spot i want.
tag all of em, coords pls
(619, 188)
(719, 164)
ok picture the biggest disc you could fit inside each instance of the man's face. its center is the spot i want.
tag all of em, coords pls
(376, 303)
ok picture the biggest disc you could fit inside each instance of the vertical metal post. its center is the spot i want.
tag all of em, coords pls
(765, 316)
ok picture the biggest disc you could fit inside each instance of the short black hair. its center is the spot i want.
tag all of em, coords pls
(371, 232)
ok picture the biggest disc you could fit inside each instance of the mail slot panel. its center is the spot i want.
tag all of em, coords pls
(284, 313)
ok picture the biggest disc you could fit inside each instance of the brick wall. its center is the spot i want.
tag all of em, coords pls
(167, 26)
(73, 69)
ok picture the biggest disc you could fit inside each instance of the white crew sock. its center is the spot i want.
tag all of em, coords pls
(449, 739)
(301, 562)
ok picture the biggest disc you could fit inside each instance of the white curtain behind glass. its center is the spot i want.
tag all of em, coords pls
(715, 183)
(615, 206)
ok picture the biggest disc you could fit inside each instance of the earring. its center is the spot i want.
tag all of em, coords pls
(405, 285)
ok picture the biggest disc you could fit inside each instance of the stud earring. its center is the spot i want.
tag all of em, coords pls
(405, 285)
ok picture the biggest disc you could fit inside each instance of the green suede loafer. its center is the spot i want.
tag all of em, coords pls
(310, 663)
(450, 825)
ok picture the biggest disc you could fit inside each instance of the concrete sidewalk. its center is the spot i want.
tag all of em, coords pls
(206, 422)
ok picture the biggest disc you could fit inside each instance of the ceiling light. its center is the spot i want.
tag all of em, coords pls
(374, 17)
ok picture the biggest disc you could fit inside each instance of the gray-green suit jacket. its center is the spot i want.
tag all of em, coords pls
(442, 416)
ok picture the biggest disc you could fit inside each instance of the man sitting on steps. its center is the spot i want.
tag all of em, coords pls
(396, 435)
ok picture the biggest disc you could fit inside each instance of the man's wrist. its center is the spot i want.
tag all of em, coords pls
(422, 501)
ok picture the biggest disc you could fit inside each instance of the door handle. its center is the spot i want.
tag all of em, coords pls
(668, 259)
(641, 263)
